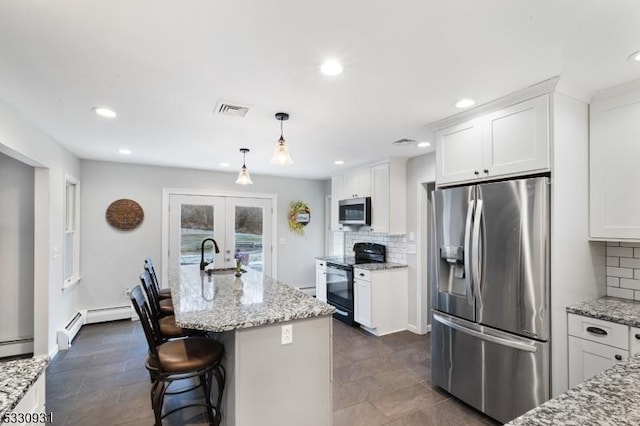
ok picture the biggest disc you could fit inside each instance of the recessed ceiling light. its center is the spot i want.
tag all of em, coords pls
(105, 112)
(338, 162)
(331, 67)
(423, 144)
(223, 164)
(464, 103)
(125, 151)
(635, 56)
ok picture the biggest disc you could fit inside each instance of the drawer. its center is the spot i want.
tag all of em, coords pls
(321, 264)
(595, 330)
(362, 274)
(634, 340)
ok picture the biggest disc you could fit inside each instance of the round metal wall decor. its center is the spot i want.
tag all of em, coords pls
(124, 214)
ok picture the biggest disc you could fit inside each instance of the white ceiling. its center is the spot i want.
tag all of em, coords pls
(164, 64)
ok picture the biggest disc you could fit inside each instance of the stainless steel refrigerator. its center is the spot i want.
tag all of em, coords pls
(490, 343)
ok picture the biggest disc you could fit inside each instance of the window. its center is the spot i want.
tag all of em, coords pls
(71, 231)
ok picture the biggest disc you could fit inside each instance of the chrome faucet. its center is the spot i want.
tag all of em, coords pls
(203, 264)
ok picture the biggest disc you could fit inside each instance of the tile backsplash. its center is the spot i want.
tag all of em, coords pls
(623, 270)
(396, 244)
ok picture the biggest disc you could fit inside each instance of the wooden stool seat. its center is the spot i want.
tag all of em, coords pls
(164, 293)
(166, 307)
(186, 355)
(168, 327)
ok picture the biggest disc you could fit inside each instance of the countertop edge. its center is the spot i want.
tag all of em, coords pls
(15, 399)
(607, 308)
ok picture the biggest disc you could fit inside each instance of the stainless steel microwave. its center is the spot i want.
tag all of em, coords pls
(355, 211)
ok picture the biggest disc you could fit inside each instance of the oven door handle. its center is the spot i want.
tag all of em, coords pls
(340, 312)
(341, 267)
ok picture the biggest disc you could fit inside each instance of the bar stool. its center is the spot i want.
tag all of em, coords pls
(191, 357)
(163, 293)
(161, 308)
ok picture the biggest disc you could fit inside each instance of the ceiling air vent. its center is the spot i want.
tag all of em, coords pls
(404, 142)
(233, 109)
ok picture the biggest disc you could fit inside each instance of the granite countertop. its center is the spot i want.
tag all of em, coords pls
(16, 377)
(217, 303)
(380, 266)
(367, 266)
(612, 309)
(609, 398)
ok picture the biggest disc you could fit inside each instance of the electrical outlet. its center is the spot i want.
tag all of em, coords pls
(287, 334)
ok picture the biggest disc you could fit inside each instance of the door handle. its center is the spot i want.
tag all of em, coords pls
(467, 252)
(475, 255)
(618, 357)
(451, 323)
(597, 330)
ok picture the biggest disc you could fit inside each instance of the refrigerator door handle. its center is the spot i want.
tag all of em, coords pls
(467, 253)
(475, 255)
(489, 338)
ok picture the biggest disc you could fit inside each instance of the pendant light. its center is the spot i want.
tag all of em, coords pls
(281, 156)
(243, 176)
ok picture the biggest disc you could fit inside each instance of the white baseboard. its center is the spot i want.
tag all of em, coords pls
(412, 328)
(54, 351)
(16, 347)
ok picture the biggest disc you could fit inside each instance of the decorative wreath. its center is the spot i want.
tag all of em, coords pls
(299, 216)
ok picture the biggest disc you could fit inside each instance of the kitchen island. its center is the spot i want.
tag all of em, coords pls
(609, 398)
(22, 389)
(269, 381)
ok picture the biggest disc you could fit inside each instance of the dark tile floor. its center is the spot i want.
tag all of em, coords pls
(101, 380)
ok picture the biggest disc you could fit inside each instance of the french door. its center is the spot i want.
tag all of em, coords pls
(240, 226)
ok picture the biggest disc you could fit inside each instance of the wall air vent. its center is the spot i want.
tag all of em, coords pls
(233, 109)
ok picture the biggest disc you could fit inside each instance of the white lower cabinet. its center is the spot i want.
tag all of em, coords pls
(596, 345)
(362, 301)
(321, 280)
(32, 402)
(634, 340)
(380, 300)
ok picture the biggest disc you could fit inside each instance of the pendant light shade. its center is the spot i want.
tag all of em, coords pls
(243, 177)
(281, 156)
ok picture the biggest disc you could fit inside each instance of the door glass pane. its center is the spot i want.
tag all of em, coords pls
(249, 236)
(196, 224)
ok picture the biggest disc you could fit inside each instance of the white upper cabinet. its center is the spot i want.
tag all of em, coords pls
(517, 138)
(385, 183)
(614, 170)
(459, 152)
(510, 141)
(357, 184)
(388, 191)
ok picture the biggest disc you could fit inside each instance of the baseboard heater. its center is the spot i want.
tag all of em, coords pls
(69, 332)
(16, 347)
(90, 316)
(108, 314)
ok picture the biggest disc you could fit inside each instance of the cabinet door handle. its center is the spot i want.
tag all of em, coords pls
(618, 357)
(477, 173)
(486, 171)
(597, 330)
(361, 274)
(638, 336)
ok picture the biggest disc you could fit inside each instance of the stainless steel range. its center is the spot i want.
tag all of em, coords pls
(340, 277)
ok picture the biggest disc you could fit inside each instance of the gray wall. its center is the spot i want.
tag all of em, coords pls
(419, 169)
(111, 260)
(22, 140)
(16, 249)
